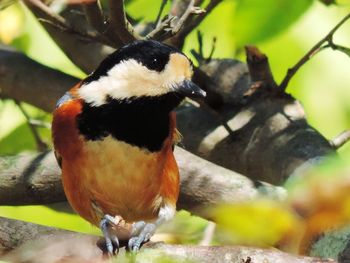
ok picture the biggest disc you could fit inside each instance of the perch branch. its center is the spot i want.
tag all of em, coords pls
(26, 242)
(318, 46)
(35, 179)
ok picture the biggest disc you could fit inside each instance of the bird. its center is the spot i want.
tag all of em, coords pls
(114, 134)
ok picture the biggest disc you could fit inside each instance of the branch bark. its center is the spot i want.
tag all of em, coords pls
(34, 243)
(119, 28)
(17, 71)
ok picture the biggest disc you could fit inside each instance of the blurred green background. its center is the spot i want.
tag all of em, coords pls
(285, 30)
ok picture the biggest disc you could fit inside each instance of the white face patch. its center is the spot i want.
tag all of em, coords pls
(131, 79)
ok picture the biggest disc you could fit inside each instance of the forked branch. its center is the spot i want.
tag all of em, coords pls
(325, 42)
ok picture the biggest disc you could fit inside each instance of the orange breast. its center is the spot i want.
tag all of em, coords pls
(115, 177)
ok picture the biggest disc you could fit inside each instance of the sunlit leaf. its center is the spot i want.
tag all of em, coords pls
(255, 20)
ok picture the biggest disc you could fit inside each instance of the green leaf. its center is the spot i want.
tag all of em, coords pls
(256, 20)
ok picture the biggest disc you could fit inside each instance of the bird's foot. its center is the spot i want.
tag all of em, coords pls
(112, 242)
(141, 233)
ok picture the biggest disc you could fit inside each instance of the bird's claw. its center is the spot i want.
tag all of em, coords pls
(112, 242)
(142, 232)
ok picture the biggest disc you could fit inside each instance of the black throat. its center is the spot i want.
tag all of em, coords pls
(142, 122)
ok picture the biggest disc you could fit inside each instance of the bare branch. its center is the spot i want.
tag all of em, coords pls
(30, 179)
(259, 67)
(30, 241)
(162, 5)
(183, 19)
(291, 72)
(17, 70)
(164, 26)
(166, 29)
(94, 15)
(61, 23)
(46, 11)
(180, 37)
(119, 27)
(340, 139)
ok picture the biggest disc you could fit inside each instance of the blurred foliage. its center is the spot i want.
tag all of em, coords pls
(258, 223)
(254, 22)
(285, 31)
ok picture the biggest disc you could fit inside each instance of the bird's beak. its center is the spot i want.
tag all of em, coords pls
(189, 89)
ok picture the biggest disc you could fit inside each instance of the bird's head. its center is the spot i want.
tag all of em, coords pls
(140, 69)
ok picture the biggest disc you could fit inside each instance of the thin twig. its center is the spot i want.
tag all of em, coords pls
(41, 146)
(120, 28)
(46, 11)
(166, 29)
(291, 72)
(84, 36)
(39, 123)
(340, 139)
(94, 15)
(183, 18)
(55, 20)
(200, 43)
(213, 46)
(336, 47)
(162, 5)
(196, 21)
(161, 29)
(199, 56)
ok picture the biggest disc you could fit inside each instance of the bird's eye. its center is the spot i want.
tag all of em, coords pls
(154, 60)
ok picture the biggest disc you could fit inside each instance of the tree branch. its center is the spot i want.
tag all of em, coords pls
(318, 46)
(30, 179)
(119, 27)
(179, 38)
(94, 15)
(31, 242)
(17, 70)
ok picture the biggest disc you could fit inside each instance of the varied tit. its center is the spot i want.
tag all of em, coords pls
(114, 134)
